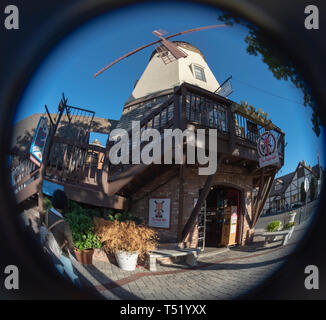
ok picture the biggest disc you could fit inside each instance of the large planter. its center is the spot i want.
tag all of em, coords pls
(290, 217)
(85, 256)
(126, 260)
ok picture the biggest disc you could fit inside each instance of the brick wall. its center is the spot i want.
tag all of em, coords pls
(230, 176)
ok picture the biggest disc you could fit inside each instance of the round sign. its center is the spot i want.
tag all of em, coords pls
(266, 144)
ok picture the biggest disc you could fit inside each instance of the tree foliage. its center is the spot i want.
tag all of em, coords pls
(313, 188)
(281, 68)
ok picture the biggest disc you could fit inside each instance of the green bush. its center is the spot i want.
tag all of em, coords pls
(81, 224)
(86, 240)
(288, 225)
(47, 204)
(123, 216)
(83, 209)
(274, 226)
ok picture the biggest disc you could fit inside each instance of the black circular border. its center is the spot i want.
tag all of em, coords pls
(282, 22)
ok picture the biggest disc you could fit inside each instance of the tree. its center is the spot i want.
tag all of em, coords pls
(281, 69)
(313, 188)
(303, 193)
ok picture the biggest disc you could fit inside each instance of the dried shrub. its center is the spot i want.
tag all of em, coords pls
(125, 236)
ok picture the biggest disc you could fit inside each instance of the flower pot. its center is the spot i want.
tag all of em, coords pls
(84, 256)
(290, 217)
(127, 260)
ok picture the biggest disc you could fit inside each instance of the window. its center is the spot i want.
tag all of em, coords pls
(199, 73)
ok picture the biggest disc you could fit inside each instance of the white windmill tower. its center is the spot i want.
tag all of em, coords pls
(170, 65)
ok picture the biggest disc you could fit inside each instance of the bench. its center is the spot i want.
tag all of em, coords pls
(271, 236)
(191, 256)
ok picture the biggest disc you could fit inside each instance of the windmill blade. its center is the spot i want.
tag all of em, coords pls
(155, 42)
(197, 29)
(175, 51)
(125, 56)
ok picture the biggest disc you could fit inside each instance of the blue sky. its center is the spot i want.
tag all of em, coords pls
(70, 67)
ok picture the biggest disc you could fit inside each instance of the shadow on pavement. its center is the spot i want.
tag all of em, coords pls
(228, 266)
(258, 246)
(106, 284)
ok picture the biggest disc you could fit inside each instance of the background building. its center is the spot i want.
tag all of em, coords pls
(286, 192)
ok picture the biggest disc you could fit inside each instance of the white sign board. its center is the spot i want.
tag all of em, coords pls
(39, 140)
(306, 184)
(267, 149)
(159, 213)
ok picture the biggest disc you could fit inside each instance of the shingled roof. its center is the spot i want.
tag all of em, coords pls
(286, 179)
(140, 108)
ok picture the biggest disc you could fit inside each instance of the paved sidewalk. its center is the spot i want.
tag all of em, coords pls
(224, 276)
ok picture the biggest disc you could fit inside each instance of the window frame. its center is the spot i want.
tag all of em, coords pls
(202, 69)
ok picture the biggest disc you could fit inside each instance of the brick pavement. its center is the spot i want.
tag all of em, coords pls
(224, 276)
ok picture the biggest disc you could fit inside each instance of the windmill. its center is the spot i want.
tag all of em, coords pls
(163, 46)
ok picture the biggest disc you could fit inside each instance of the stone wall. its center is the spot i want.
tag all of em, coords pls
(229, 176)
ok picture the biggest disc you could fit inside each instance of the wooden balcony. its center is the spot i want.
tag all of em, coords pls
(193, 108)
(189, 107)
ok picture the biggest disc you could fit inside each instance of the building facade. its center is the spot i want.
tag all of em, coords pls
(183, 94)
(286, 192)
(187, 209)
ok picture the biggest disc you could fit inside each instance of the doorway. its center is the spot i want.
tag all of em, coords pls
(218, 199)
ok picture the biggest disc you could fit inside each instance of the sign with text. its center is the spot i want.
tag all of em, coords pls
(267, 149)
(159, 213)
(39, 140)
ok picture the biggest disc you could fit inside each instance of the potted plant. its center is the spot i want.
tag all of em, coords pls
(274, 226)
(126, 240)
(85, 243)
(289, 225)
(83, 234)
(290, 216)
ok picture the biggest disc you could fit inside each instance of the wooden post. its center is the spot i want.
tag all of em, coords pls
(46, 152)
(179, 112)
(176, 108)
(259, 195)
(231, 127)
(40, 192)
(202, 197)
(181, 201)
(266, 193)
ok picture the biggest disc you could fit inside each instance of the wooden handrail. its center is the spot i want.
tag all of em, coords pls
(26, 178)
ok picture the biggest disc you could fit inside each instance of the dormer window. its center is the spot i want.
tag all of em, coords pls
(199, 73)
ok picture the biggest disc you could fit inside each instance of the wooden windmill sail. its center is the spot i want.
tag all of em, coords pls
(163, 41)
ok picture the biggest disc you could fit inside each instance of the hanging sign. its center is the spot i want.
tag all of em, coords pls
(39, 140)
(159, 213)
(267, 149)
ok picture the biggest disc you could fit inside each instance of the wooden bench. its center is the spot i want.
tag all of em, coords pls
(191, 256)
(271, 236)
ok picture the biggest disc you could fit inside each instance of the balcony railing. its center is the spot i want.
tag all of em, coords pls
(73, 160)
(200, 108)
